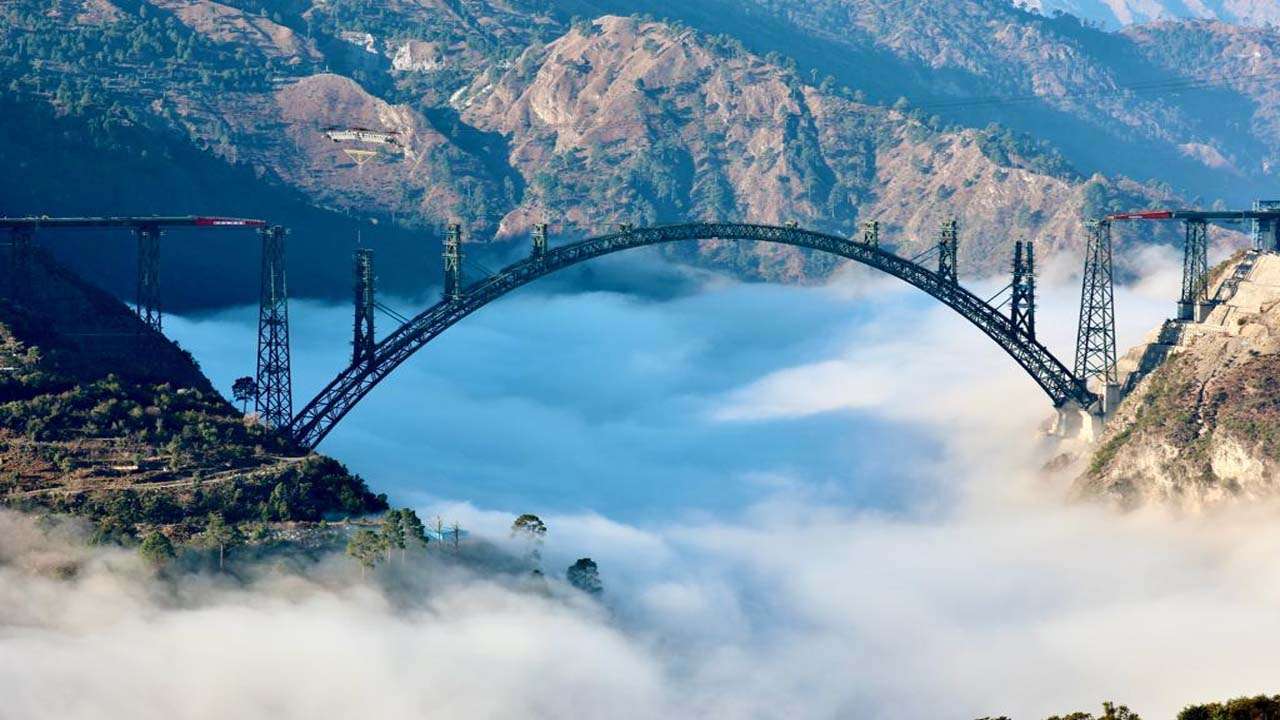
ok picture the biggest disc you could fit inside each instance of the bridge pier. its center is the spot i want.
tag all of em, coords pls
(1073, 422)
(871, 233)
(1193, 304)
(147, 304)
(274, 403)
(453, 263)
(1096, 336)
(948, 241)
(363, 339)
(539, 240)
(1022, 305)
(1266, 233)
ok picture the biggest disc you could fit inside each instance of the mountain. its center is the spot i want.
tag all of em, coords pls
(1101, 98)
(1199, 427)
(1115, 13)
(825, 113)
(104, 418)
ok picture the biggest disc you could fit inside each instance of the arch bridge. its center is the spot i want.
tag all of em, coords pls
(374, 360)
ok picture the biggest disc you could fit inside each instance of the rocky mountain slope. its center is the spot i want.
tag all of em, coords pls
(510, 112)
(1112, 13)
(101, 417)
(624, 120)
(1201, 428)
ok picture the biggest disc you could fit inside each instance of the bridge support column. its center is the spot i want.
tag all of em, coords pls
(1076, 423)
(1195, 271)
(1096, 337)
(871, 233)
(363, 338)
(1266, 233)
(274, 403)
(148, 298)
(539, 240)
(453, 263)
(948, 241)
(1022, 305)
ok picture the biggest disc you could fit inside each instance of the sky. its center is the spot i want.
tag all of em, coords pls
(805, 503)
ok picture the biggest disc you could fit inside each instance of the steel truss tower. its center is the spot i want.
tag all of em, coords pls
(871, 233)
(1195, 269)
(274, 403)
(1022, 305)
(539, 240)
(148, 299)
(948, 240)
(453, 262)
(1096, 338)
(363, 338)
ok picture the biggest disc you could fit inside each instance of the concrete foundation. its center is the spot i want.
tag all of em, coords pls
(1076, 423)
(1111, 398)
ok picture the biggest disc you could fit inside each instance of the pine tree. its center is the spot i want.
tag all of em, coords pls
(414, 529)
(366, 548)
(531, 530)
(156, 549)
(585, 575)
(392, 533)
(217, 533)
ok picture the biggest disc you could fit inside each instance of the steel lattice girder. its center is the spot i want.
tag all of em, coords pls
(274, 402)
(315, 421)
(1195, 262)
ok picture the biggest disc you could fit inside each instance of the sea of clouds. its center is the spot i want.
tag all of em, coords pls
(805, 503)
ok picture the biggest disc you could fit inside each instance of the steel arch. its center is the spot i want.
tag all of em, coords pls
(318, 418)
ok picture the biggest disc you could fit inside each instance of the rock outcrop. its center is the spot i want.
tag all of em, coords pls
(1201, 425)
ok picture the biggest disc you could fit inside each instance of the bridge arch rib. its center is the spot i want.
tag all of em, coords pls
(314, 422)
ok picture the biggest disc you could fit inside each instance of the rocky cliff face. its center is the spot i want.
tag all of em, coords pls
(624, 120)
(1203, 427)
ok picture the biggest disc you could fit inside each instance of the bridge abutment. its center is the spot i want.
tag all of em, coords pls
(1073, 422)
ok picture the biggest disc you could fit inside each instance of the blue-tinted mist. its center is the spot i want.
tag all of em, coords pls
(599, 401)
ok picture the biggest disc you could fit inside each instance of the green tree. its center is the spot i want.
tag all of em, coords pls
(414, 529)
(111, 530)
(531, 530)
(366, 547)
(1245, 708)
(217, 533)
(585, 575)
(392, 533)
(1110, 711)
(156, 549)
(528, 526)
(243, 390)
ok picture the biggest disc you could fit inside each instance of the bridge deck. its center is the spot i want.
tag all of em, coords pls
(199, 221)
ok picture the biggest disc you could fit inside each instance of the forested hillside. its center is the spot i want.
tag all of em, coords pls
(102, 417)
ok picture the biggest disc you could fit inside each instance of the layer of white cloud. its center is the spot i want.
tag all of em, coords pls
(989, 596)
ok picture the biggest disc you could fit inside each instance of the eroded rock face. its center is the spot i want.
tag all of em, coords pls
(226, 24)
(631, 121)
(1204, 427)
